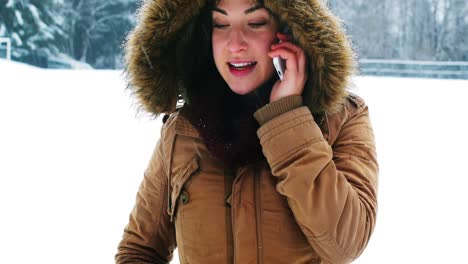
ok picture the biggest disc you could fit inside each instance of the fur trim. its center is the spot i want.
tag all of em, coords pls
(153, 49)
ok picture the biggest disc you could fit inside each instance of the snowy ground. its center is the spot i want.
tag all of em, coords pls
(72, 154)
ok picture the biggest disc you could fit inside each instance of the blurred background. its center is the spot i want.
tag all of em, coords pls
(73, 146)
(90, 33)
(67, 33)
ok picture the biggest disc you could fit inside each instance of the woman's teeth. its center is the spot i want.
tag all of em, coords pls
(241, 65)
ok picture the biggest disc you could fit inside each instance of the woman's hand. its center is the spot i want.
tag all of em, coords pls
(295, 75)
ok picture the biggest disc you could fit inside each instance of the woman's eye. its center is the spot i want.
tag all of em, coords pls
(257, 24)
(217, 25)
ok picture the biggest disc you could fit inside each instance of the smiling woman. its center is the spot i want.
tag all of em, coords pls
(242, 37)
(251, 168)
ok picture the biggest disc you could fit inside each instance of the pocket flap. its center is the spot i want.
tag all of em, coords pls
(178, 182)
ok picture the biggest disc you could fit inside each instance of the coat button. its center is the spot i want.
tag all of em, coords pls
(184, 197)
(227, 201)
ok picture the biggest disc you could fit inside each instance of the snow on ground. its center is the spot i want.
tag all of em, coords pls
(73, 152)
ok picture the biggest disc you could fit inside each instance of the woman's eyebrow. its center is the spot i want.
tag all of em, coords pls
(248, 11)
(219, 10)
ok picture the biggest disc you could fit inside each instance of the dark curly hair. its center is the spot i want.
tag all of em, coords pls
(195, 61)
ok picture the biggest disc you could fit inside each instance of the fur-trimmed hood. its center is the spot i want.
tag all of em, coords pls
(157, 46)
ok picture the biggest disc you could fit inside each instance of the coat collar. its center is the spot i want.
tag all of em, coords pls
(185, 128)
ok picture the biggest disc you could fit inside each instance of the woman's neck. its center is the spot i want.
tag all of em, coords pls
(260, 96)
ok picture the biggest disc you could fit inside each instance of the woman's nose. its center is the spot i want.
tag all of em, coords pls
(237, 41)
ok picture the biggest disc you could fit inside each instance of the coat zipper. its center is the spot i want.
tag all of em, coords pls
(258, 213)
(228, 186)
(230, 227)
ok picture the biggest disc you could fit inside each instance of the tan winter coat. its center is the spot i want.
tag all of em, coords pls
(314, 198)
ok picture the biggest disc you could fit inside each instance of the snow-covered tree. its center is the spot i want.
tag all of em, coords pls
(367, 23)
(97, 29)
(406, 29)
(33, 27)
(453, 30)
(92, 31)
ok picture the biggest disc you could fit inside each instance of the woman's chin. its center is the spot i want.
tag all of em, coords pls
(244, 87)
(242, 90)
(250, 87)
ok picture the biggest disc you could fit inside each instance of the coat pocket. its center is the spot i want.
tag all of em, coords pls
(178, 182)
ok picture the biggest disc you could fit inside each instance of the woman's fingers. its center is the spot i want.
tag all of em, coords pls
(295, 75)
(283, 37)
(301, 64)
(294, 56)
(287, 45)
(288, 55)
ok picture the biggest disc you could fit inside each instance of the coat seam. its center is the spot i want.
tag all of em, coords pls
(258, 212)
(342, 155)
(331, 240)
(228, 182)
(169, 174)
(286, 129)
(161, 213)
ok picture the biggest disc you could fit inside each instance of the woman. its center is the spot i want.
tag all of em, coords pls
(252, 169)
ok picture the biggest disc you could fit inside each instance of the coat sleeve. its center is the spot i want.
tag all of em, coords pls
(149, 236)
(331, 190)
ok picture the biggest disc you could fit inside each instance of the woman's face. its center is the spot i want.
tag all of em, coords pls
(243, 32)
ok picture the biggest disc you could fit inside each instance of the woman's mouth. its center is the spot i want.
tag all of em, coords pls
(241, 69)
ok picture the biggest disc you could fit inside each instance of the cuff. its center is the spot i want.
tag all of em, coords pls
(277, 108)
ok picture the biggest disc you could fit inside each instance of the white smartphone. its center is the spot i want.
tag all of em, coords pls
(280, 66)
(278, 62)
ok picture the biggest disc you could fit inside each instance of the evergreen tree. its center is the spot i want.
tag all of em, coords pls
(33, 27)
(97, 29)
(93, 31)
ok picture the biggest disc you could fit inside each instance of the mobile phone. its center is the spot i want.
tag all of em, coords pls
(278, 62)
